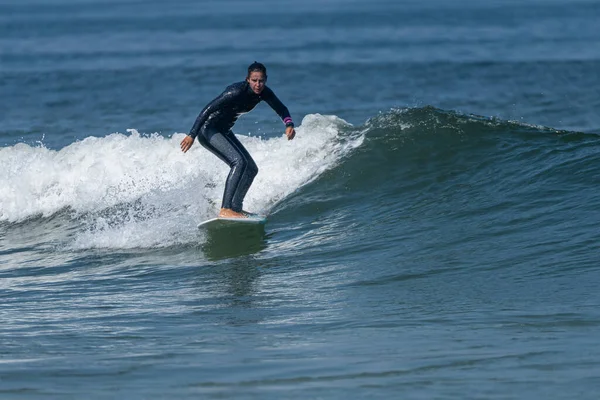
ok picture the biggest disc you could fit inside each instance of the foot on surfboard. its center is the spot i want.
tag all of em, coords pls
(229, 213)
(221, 221)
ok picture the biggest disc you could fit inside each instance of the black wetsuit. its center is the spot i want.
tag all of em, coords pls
(213, 130)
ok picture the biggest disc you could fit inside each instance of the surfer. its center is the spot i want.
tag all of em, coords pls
(213, 130)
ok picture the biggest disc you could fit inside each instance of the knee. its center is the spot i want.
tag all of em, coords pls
(252, 168)
(239, 162)
(248, 166)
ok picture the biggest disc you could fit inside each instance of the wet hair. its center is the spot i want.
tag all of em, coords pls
(257, 67)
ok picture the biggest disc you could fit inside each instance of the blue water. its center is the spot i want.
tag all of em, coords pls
(432, 231)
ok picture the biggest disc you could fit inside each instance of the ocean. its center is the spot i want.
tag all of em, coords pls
(432, 229)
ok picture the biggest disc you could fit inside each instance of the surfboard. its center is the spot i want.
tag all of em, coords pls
(224, 222)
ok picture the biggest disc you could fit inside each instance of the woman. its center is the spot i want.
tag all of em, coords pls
(213, 130)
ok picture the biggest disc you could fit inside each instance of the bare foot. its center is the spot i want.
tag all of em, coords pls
(229, 213)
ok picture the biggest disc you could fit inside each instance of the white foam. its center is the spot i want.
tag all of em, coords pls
(142, 191)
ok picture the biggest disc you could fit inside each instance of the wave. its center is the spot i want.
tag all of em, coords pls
(133, 190)
(425, 142)
(140, 190)
(425, 162)
(436, 187)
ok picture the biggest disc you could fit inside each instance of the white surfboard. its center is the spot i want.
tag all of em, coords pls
(222, 222)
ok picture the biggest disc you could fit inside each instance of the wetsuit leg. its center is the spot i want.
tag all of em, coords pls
(243, 168)
(250, 172)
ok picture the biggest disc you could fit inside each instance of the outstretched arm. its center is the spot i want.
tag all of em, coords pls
(269, 96)
(210, 108)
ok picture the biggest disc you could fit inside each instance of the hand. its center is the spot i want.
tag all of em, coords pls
(186, 143)
(290, 132)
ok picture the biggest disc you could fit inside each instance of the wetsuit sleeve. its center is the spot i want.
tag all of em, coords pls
(276, 104)
(222, 100)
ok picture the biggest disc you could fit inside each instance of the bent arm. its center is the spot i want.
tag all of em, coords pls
(278, 107)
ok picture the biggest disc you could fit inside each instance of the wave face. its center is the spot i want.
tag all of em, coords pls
(428, 183)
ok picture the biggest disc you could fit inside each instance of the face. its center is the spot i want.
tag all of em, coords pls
(257, 81)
